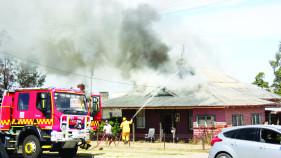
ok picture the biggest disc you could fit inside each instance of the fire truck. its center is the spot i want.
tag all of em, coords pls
(38, 119)
(95, 111)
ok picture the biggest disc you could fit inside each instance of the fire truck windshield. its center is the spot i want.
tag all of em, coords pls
(69, 103)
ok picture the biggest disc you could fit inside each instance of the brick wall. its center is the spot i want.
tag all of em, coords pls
(223, 116)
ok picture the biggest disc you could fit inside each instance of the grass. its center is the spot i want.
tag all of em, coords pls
(141, 149)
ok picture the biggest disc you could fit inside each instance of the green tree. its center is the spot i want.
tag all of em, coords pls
(276, 66)
(13, 73)
(8, 73)
(29, 76)
(260, 81)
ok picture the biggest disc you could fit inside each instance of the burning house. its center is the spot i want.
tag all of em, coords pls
(222, 101)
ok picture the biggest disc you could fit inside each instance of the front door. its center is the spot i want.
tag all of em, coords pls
(167, 122)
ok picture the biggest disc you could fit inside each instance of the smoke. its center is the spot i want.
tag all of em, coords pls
(106, 34)
(139, 45)
(82, 45)
(83, 36)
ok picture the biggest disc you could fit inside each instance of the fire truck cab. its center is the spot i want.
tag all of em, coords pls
(37, 119)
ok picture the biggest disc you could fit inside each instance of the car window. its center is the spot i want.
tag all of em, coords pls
(270, 136)
(247, 134)
(230, 134)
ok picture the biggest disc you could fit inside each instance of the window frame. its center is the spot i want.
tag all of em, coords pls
(235, 115)
(142, 113)
(260, 118)
(23, 105)
(206, 125)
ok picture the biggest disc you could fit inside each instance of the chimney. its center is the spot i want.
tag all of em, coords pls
(81, 87)
(271, 89)
(104, 95)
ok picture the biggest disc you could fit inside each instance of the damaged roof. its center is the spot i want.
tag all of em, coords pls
(219, 90)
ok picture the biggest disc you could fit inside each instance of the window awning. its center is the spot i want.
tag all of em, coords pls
(274, 110)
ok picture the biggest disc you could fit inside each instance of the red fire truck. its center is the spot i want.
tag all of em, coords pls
(95, 111)
(37, 119)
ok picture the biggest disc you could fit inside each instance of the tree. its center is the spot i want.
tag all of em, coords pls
(276, 66)
(13, 73)
(260, 81)
(29, 76)
(8, 73)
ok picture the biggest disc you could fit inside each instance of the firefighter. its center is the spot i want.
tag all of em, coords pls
(125, 125)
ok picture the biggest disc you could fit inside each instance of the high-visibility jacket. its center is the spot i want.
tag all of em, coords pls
(126, 126)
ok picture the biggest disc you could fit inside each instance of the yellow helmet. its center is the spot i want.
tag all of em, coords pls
(124, 118)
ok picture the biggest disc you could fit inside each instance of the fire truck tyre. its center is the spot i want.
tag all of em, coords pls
(31, 147)
(68, 153)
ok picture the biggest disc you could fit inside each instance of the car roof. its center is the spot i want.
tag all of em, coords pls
(274, 127)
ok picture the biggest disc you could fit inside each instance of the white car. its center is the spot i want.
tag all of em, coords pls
(253, 141)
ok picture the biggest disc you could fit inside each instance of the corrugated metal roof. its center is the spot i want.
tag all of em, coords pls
(220, 90)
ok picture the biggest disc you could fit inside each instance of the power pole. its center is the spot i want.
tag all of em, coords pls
(92, 74)
(181, 61)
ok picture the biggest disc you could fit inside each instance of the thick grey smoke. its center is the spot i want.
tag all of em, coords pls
(82, 36)
(114, 36)
(84, 41)
(139, 45)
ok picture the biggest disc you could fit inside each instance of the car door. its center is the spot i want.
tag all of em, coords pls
(21, 110)
(245, 143)
(269, 144)
(42, 117)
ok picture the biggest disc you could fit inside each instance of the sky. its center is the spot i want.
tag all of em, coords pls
(239, 37)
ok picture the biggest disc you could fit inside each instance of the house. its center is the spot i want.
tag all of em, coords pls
(221, 101)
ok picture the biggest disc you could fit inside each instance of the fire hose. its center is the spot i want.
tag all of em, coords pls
(98, 143)
(119, 139)
(111, 136)
(103, 138)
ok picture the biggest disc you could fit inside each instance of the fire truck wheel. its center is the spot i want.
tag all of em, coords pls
(68, 153)
(31, 147)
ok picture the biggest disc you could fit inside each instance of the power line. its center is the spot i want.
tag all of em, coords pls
(50, 67)
(77, 25)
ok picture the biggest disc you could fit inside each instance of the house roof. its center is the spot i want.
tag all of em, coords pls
(219, 90)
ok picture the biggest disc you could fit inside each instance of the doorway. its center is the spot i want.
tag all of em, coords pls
(167, 122)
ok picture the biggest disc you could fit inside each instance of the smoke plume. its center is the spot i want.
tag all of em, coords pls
(139, 45)
(126, 41)
(83, 36)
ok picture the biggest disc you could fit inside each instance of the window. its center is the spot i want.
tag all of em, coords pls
(205, 120)
(237, 120)
(95, 106)
(141, 119)
(23, 101)
(249, 134)
(256, 119)
(230, 134)
(269, 136)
